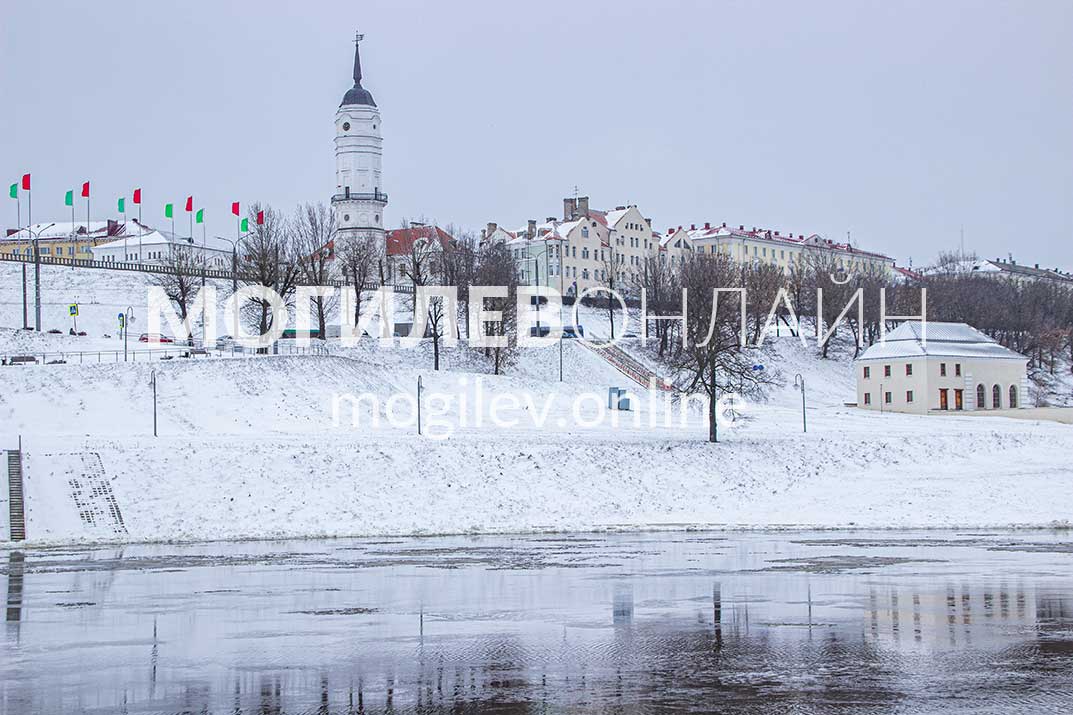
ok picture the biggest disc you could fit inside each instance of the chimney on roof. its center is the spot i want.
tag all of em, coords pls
(670, 230)
(776, 233)
(569, 208)
(113, 227)
(549, 219)
(583, 206)
(12, 231)
(620, 208)
(530, 229)
(692, 227)
(741, 227)
(1037, 266)
(484, 234)
(724, 224)
(492, 226)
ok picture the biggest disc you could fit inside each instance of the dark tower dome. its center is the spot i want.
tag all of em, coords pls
(357, 94)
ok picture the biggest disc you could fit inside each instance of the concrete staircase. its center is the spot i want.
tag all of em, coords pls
(630, 367)
(15, 503)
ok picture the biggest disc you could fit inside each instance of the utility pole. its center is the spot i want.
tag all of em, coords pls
(799, 382)
(152, 383)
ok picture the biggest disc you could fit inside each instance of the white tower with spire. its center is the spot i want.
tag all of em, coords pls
(359, 198)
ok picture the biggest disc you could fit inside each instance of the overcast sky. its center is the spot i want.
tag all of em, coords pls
(900, 122)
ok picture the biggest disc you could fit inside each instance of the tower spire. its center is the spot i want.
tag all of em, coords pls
(358, 37)
(358, 94)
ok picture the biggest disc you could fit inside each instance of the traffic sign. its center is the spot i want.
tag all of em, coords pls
(72, 309)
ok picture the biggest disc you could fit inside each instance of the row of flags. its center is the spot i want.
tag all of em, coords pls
(169, 209)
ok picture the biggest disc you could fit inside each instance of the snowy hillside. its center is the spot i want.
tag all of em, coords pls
(264, 446)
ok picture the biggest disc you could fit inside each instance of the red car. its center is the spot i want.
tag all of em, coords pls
(155, 337)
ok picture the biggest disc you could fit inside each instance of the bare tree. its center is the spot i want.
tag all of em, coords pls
(270, 259)
(361, 257)
(423, 266)
(713, 360)
(182, 279)
(663, 294)
(495, 267)
(315, 234)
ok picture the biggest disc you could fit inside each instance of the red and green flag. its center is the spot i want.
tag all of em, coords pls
(199, 217)
(169, 211)
(122, 204)
(235, 208)
(260, 217)
(137, 196)
(69, 198)
(13, 192)
(85, 189)
(25, 182)
(189, 204)
(245, 225)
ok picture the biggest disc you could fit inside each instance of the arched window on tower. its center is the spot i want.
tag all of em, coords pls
(981, 397)
(996, 397)
(1013, 397)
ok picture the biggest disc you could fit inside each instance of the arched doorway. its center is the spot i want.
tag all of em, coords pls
(1013, 397)
(996, 397)
(981, 397)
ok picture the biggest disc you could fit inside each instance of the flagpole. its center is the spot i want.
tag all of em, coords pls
(25, 307)
(140, 231)
(37, 260)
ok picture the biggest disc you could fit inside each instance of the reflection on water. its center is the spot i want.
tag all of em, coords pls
(631, 623)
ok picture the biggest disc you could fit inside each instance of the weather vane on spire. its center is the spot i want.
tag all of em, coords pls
(358, 37)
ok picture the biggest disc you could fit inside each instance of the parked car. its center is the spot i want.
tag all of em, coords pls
(155, 337)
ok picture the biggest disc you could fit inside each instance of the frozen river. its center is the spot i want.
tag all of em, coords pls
(753, 622)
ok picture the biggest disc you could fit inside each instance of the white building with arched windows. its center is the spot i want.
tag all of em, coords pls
(940, 367)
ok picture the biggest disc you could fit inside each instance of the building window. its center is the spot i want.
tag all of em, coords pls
(886, 397)
(585, 232)
(1013, 397)
(867, 372)
(886, 371)
(942, 369)
(996, 397)
(957, 369)
(981, 396)
(908, 395)
(867, 398)
(908, 368)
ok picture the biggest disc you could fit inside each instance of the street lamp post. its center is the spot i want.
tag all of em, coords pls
(128, 318)
(799, 382)
(37, 275)
(35, 235)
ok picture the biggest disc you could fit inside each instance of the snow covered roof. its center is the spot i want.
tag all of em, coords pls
(724, 231)
(952, 340)
(400, 241)
(64, 229)
(159, 237)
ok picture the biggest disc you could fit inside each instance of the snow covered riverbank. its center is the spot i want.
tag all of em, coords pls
(248, 449)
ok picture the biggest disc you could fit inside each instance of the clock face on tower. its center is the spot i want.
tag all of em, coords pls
(346, 126)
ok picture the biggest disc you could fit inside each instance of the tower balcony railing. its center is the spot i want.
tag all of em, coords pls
(352, 196)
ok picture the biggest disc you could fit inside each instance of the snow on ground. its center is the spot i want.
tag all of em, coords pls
(248, 448)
